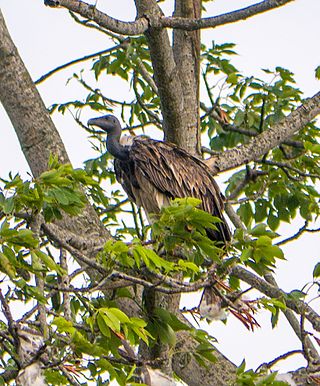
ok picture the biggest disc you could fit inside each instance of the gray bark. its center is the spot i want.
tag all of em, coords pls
(186, 48)
(36, 132)
(269, 139)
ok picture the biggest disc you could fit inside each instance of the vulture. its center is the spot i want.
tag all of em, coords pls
(154, 172)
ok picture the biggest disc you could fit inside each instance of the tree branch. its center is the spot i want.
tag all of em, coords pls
(212, 111)
(309, 349)
(89, 11)
(272, 291)
(79, 60)
(298, 234)
(20, 98)
(166, 76)
(269, 139)
(227, 18)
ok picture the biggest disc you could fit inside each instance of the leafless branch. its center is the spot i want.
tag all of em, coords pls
(284, 166)
(65, 282)
(173, 286)
(79, 60)
(282, 357)
(298, 234)
(227, 18)
(7, 313)
(88, 24)
(90, 12)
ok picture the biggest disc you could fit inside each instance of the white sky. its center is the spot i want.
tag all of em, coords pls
(287, 37)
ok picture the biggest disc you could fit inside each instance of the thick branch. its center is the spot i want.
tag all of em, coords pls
(269, 139)
(186, 49)
(130, 28)
(230, 17)
(166, 76)
(36, 132)
(141, 24)
(220, 373)
(20, 98)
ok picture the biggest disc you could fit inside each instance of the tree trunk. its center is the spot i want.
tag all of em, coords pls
(36, 132)
(38, 138)
(186, 50)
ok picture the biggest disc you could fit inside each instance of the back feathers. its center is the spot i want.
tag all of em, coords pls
(158, 171)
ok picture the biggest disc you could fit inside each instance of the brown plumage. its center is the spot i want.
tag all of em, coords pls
(153, 172)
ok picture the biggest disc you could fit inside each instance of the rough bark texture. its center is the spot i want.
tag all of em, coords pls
(269, 139)
(186, 48)
(167, 78)
(36, 132)
(221, 373)
(91, 12)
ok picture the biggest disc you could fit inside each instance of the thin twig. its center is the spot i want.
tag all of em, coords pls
(298, 234)
(150, 113)
(282, 357)
(87, 23)
(78, 60)
(284, 165)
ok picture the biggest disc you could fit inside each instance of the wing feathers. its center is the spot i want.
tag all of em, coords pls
(173, 172)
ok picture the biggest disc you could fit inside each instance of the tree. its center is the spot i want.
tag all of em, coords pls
(130, 287)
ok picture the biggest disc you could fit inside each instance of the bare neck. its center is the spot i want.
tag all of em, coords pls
(115, 148)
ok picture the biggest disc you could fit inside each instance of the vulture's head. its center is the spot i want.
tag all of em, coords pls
(112, 127)
(109, 123)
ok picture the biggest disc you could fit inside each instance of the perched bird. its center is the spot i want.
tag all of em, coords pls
(153, 172)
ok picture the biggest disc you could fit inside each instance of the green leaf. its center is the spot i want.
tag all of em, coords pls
(121, 316)
(206, 350)
(273, 222)
(8, 205)
(297, 294)
(264, 241)
(246, 254)
(107, 366)
(63, 324)
(49, 262)
(232, 78)
(241, 368)
(246, 213)
(6, 266)
(110, 319)
(275, 318)
(316, 270)
(317, 71)
(103, 326)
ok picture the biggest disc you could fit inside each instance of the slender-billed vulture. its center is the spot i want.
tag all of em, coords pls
(154, 172)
